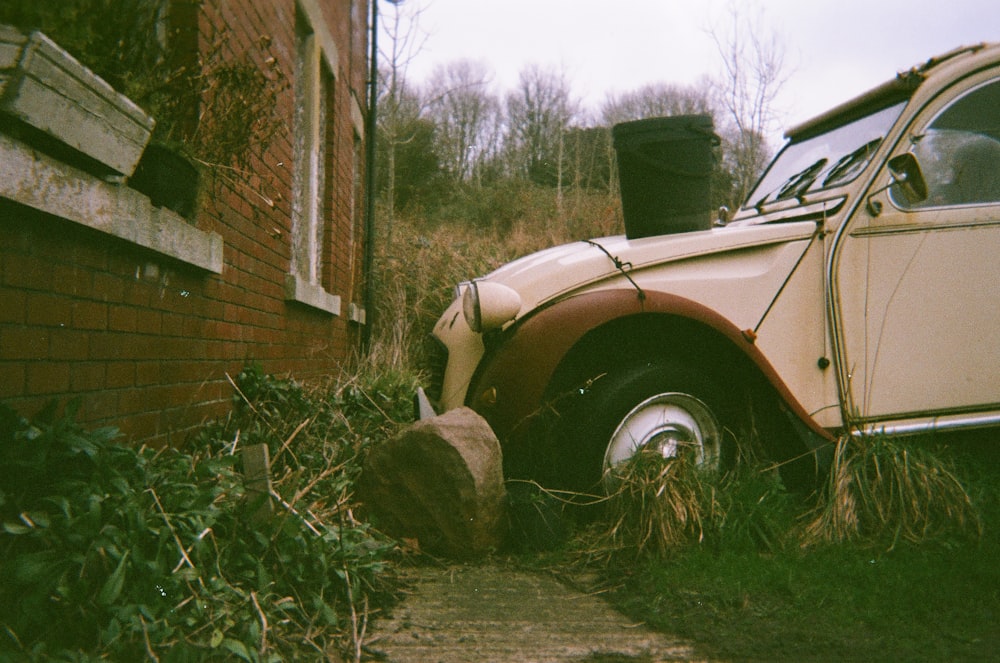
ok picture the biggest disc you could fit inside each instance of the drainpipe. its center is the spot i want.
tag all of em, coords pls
(370, 128)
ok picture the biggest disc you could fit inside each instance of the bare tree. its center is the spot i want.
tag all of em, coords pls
(753, 59)
(658, 99)
(399, 108)
(465, 114)
(539, 111)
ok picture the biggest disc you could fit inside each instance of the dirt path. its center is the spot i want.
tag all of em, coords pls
(491, 613)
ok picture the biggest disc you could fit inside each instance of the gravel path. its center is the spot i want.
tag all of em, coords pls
(490, 613)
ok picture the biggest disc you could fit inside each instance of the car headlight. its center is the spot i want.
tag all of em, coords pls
(489, 305)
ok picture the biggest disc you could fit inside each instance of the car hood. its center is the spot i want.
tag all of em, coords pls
(552, 273)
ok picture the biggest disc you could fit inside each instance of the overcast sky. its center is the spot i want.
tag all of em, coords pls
(834, 49)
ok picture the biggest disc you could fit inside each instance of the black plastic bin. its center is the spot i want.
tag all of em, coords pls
(665, 169)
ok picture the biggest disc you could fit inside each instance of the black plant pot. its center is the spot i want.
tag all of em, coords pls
(168, 179)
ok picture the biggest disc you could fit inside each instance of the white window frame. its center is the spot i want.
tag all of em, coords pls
(315, 52)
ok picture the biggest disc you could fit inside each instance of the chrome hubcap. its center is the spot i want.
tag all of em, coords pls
(668, 423)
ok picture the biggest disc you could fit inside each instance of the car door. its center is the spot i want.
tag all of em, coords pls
(916, 283)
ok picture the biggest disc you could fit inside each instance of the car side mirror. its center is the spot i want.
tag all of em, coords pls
(907, 175)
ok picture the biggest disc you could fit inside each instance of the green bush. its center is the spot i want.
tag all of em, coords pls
(127, 553)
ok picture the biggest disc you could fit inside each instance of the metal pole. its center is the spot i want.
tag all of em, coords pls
(370, 129)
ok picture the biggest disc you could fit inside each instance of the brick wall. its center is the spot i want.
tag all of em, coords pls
(145, 341)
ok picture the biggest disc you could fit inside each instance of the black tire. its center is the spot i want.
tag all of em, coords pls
(663, 404)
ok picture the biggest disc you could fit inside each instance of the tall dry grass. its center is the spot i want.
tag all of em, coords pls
(883, 490)
(423, 256)
(656, 505)
(880, 492)
(659, 506)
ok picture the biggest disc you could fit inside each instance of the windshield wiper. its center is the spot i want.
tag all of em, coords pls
(851, 164)
(794, 186)
(800, 182)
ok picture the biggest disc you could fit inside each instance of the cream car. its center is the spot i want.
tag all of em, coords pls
(856, 291)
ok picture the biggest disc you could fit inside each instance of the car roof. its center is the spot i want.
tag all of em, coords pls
(897, 89)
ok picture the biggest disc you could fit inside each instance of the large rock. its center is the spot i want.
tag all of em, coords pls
(440, 481)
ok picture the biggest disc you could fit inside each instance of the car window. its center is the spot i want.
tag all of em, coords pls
(959, 153)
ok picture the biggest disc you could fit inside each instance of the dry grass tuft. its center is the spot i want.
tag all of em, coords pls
(882, 490)
(658, 504)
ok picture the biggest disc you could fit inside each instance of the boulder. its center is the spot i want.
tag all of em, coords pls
(439, 481)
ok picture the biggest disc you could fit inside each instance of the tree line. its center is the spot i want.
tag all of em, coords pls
(455, 134)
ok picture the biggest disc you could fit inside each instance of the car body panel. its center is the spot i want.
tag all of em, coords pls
(799, 349)
(734, 273)
(917, 293)
(549, 274)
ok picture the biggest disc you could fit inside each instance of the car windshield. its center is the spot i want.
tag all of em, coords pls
(823, 160)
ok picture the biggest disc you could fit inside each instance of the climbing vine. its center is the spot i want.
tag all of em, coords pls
(215, 109)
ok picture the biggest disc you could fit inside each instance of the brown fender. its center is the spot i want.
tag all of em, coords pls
(511, 381)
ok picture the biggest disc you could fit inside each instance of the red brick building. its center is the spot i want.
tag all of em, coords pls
(141, 312)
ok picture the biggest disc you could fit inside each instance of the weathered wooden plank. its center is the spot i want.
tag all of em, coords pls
(257, 478)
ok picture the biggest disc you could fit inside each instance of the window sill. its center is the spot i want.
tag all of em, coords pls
(301, 291)
(36, 180)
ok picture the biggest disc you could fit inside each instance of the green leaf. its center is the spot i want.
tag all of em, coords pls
(81, 444)
(238, 648)
(16, 528)
(112, 632)
(105, 435)
(112, 588)
(217, 638)
(36, 519)
(38, 567)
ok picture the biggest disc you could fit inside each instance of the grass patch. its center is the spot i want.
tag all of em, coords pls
(655, 505)
(839, 603)
(659, 505)
(902, 586)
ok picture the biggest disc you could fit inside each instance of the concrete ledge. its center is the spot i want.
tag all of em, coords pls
(299, 290)
(356, 313)
(36, 180)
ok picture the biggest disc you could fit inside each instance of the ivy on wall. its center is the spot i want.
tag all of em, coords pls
(216, 110)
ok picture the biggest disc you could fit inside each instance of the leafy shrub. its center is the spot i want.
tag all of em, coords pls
(338, 417)
(132, 553)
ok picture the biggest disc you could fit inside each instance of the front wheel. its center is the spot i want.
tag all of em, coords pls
(666, 407)
(671, 424)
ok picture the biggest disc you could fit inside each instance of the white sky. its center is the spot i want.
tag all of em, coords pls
(834, 49)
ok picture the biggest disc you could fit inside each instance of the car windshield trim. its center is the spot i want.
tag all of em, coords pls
(824, 160)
